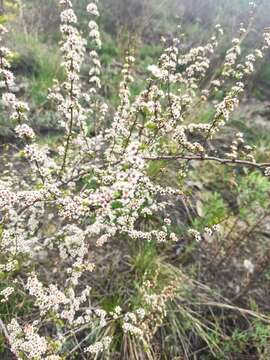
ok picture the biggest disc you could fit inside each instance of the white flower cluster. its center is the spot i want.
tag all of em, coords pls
(267, 171)
(132, 322)
(68, 16)
(27, 341)
(249, 266)
(99, 346)
(6, 294)
(92, 8)
(208, 232)
(25, 131)
(94, 34)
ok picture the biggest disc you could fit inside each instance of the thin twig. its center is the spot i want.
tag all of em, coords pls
(4, 329)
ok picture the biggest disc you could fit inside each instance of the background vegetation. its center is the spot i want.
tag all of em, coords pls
(34, 34)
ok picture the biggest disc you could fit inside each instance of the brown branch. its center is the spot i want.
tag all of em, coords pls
(222, 161)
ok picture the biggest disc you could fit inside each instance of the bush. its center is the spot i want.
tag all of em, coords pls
(95, 262)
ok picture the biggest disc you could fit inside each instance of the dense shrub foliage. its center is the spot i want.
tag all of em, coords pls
(97, 261)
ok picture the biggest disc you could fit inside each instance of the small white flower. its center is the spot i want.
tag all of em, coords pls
(6, 294)
(249, 266)
(92, 9)
(267, 171)
(68, 16)
(155, 71)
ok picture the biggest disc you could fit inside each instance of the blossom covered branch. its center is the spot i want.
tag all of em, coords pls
(93, 186)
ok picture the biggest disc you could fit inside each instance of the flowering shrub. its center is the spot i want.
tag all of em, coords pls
(96, 188)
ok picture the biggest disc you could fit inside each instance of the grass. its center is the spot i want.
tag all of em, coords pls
(212, 210)
(43, 61)
(36, 65)
(195, 324)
